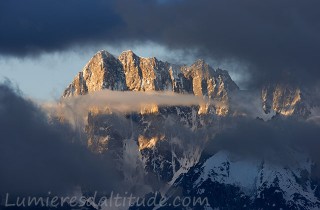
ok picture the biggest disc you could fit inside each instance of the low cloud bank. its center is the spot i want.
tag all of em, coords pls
(37, 156)
(75, 109)
(130, 101)
(281, 141)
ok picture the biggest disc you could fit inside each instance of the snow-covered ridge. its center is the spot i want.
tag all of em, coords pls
(255, 180)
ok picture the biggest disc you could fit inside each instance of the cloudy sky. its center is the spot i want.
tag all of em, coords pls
(44, 43)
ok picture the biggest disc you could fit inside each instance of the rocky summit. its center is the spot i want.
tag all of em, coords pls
(130, 72)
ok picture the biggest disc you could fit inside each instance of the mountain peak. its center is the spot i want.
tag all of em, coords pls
(127, 53)
(103, 54)
(134, 73)
(103, 71)
(199, 62)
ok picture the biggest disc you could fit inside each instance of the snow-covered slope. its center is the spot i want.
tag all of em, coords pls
(232, 181)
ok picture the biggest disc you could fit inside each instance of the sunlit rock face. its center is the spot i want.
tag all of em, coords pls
(214, 84)
(145, 143)
(145, 74)
(103, 71)
(200, 79)
(133, 73)
(284, 99)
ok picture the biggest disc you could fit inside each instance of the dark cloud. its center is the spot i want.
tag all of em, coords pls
(37, 156)
(31, 27)
(277, 140)
(277, 39)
